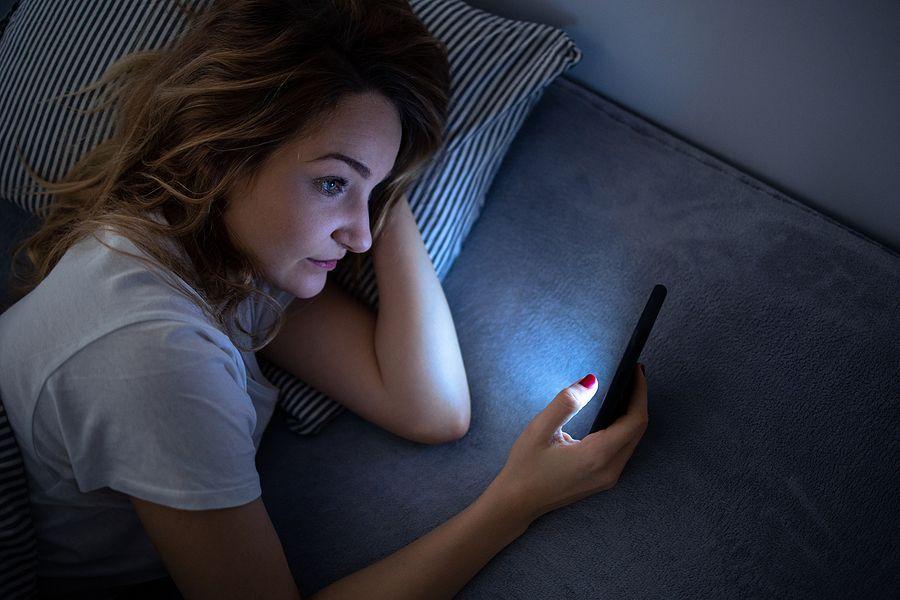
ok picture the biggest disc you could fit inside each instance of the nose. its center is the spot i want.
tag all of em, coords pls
(355, 234)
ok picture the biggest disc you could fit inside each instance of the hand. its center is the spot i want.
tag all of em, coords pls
(547, 468)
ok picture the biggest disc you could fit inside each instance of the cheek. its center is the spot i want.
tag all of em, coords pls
(301, 227)
(298, 238)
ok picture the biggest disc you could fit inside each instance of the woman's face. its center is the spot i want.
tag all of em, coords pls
(305, 205)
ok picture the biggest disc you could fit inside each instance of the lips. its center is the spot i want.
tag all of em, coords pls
(327, 259)
(329, 265)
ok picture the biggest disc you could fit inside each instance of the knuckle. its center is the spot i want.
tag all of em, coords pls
(569, 400)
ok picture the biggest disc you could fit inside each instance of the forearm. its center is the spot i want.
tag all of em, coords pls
(415, 338)
(440, 563)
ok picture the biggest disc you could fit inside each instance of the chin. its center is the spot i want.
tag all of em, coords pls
(310, 289)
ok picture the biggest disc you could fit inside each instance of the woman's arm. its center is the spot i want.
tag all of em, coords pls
(440, 563)
(415, 339)
(202, 556)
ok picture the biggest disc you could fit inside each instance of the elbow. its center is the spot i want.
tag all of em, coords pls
(443, 436)
(459, 431)
(460, 426)
(447, 430)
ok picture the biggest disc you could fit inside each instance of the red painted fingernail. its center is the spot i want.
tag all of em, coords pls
(588, 381)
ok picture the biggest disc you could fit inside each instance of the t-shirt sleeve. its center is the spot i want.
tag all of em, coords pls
(157, 410)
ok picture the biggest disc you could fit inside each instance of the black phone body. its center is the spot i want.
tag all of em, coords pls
(619, 393)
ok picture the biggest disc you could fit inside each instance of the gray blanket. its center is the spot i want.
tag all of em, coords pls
(769, 466)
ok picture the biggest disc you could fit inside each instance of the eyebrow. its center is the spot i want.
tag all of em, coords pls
(357, 166)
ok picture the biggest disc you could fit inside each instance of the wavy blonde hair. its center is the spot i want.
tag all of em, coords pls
(200, 116)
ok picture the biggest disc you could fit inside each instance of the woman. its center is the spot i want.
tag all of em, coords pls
(274, 136)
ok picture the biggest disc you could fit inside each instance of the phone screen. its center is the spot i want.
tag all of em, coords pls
(616, 401)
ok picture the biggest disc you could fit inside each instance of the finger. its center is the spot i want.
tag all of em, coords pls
(564, 406)
(561, 437)
(614, 467)
(615, 464)
(638, 401)
(624, 454)
(630, 424)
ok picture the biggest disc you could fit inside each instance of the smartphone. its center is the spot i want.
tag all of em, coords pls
(616, 401)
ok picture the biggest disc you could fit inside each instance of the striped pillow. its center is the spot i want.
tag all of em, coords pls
(499, 70)
(18, 545)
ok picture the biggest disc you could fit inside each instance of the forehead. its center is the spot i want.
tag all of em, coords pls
(364, 128)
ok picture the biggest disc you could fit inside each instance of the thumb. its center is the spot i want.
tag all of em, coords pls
(565, 406)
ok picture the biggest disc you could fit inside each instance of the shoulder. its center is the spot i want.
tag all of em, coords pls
(159, 354)
(96, 303)
(161, 382)
(156, 409)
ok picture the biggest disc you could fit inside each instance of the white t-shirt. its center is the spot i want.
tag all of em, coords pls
(115, 385)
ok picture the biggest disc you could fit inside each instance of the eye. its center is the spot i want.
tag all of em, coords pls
(326, 186)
